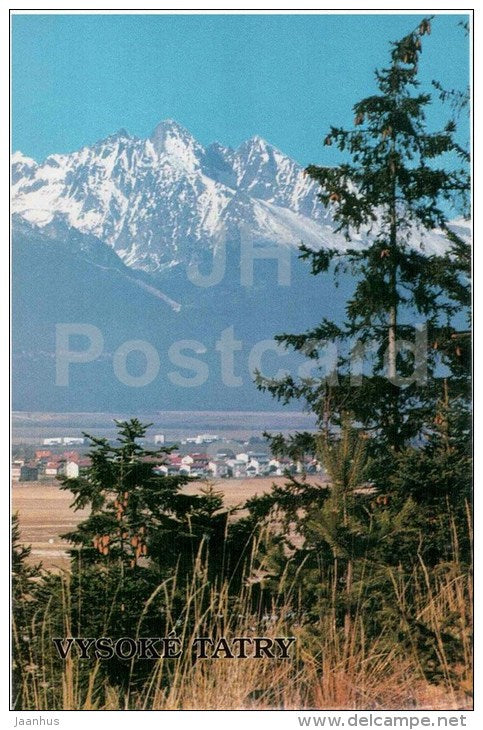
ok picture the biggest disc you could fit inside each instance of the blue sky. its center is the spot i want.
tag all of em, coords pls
(78, 78)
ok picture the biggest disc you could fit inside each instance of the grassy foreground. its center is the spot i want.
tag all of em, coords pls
(329, 668)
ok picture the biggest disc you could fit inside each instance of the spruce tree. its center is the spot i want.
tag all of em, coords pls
(394, 189)
(138, 516)
(135, 555)
(398, 184)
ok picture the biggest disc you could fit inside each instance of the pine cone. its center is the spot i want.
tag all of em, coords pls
(425, 28)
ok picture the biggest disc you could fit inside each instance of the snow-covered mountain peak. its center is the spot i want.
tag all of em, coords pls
(255, 146)
(256, 142)
(162, 200)
(121, 135)
(23, 167)
(18, 158)
(171, 140)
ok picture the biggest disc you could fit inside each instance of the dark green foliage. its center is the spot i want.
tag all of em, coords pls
(136, 513)
(394, 188)
(135, 556)
(25, 579)
(396, 447)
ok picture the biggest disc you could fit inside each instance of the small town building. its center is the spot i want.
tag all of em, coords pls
(71, 469)
(52, 468)
(43, 455)
(29, 473)
(16, 467)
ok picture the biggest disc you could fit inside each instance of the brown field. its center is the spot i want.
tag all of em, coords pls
(44, 513)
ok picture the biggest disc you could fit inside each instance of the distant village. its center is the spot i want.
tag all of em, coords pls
(204, 456)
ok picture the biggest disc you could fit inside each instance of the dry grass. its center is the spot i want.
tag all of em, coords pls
(332, 671)
(327, 670)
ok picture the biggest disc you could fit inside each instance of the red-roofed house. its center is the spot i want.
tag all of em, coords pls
(43, 455)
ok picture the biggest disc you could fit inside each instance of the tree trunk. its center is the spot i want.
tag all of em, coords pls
(393, 310)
